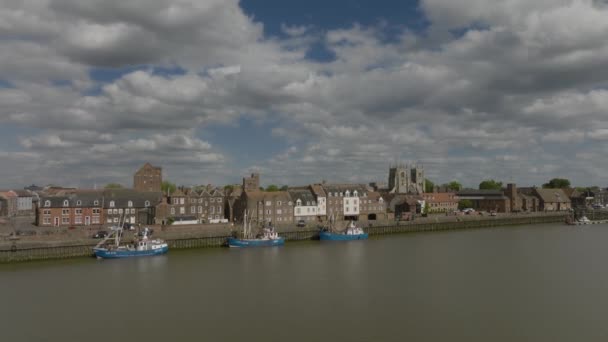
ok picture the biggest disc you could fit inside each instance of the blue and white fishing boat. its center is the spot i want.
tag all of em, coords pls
(352, 232)
(111, 248)
(268, 238)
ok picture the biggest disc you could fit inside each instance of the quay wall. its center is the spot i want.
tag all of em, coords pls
(83, 248)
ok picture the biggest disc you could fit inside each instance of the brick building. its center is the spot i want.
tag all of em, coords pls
(8, 203)
(148, 178)
(265, 206)
(441, 202)
(71, 209)
(486, 200)
(206, 205)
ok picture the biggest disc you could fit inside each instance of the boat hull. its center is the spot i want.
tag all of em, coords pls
(234, 242)
(118, 254)
(329, 236)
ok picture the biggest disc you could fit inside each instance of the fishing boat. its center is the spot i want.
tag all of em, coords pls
(267, 238)
(352, 232)
(111, 248)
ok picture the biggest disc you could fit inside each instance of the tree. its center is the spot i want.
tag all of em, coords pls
(490, 184)
(272, 188)
(465, 203)
(229, 187)
(428, 186)
(167, 186)
(557, 183)
(454, 186)
(113, 186)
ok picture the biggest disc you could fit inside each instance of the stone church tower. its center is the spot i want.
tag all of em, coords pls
(405, 179)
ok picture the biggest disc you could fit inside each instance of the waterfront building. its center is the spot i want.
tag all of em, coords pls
(130, 206)
(148, 178)
(553, 199)
(486, 200)
(25, 202)
(71, 208)
(191, 206)
(344, 200)
(441, 202)
(372, 207)
(266, 207)
(9, 203)
(321, 198)
(304, 204)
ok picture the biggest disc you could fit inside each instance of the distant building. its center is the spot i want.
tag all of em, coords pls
(72, 208)
(264, 207)
(486, 200)
(405, 179)
(9, 203)
(344, 200)
(148, 178)
(252, 183)
(441, 202)
(186, 205)
(304, 204)
(553, 199)
(25, 206)
(130, 206)
(321, 197)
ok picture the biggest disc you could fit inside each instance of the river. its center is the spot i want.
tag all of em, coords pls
(529, 283)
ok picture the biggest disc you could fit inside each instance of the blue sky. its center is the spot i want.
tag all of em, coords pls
(212, 90)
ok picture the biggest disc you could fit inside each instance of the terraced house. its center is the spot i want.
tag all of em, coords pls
(205, 205)
(73, 208)
(130, 206)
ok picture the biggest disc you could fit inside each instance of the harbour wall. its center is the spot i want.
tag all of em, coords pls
(18, 253)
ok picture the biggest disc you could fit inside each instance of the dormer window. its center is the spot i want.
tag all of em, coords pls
(147, 204)
(111, 204)
(130, 204)
(355, 193)
(78, 203)
(298, 203)
(347, 193)
(66, 203)
(96, 203)
(341, 194)
(47, 203)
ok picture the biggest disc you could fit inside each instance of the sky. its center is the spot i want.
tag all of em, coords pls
(303, 91)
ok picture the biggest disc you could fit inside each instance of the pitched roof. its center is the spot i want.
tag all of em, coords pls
(437, 197)
(552, 195)
(317, 189)
(303, 194)
(258, 195)
(121, 198)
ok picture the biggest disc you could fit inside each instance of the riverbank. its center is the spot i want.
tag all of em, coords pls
(70, 246)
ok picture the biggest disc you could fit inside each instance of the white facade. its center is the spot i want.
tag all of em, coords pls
(351, 203)
(24, 203)
(305, 211)
(321, 206)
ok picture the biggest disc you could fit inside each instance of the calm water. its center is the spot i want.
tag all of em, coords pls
(537, 283)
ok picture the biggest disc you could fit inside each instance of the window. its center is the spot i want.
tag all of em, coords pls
(47, 203)
(65, 220)
(79, 202)
(181, 200)
(219, 209)
(115, 211)
(65, 211)
(78, 220)
(355, 202)
(268, 203)
(341, 194)
(182, 210)
(347, 193)
(96, 203)
(298, 203)
(66, 203)
(96, 211)
(308, 210)
(78, 211)
(46, 212)
(116, 220)
(200, 200)
(212, 210)
(290, 203)
(200, 209)
(212, 200)
(120, 211)
(307, 202)
(192, 209)
(130, 204)
(111, 204)
(132, 210)
(109, 220)
(193, 200)
(46, 220)
(355, 193)
(278, 202)
(313, 203)
(96, 219)
(279, 212)
(147, 204)
(176, 201)
(268, 212)
(346, 202)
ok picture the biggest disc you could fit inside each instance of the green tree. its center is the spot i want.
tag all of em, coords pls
(272, 188)
(113, 186)
(454, 186)
(428, 186)
(426, 209)
(557, 183)
(465, 203)
(229, 187)
(167, 186)
(490, 184)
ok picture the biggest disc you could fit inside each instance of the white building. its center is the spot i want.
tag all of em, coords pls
(304, 204)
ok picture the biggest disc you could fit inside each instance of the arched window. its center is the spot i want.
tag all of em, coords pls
(47, 203)
(79, 202)
(66, 203)
(298, 203)
(355, 193)
(172, 211)
(347, 193)
(96, 203)
(130, 204)
(111, 204)
(147, 204)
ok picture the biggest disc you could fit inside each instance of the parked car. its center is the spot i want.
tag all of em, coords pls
(492, 213)
(301, 223)
(100, 234)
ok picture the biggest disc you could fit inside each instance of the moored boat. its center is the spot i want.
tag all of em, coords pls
(268, 237)
(352, 232)
(111, 247)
